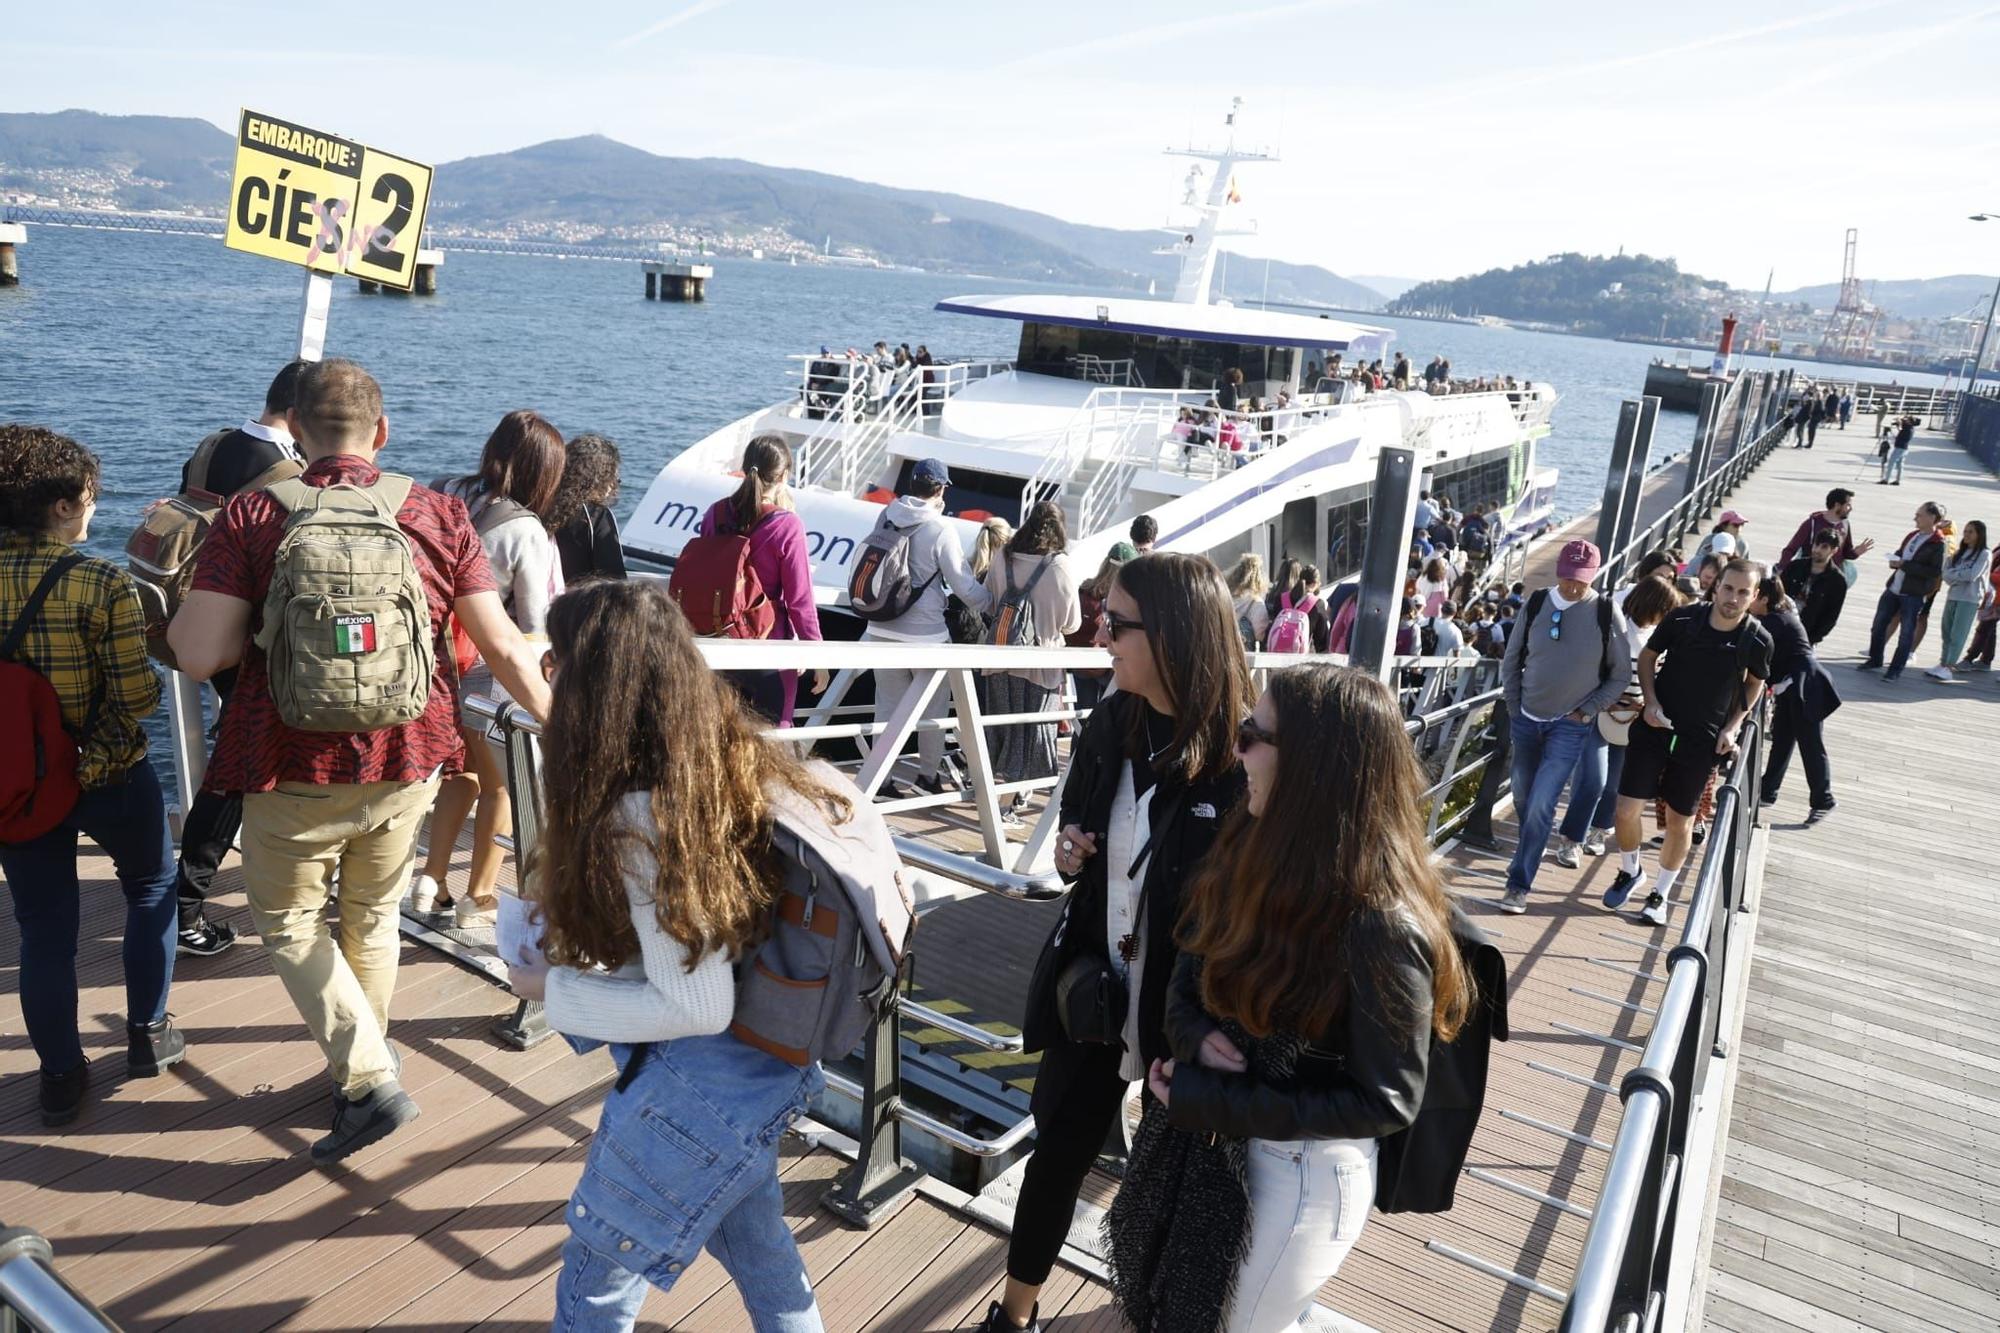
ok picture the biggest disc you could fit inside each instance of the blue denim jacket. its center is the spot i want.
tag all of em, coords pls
(692, 1117)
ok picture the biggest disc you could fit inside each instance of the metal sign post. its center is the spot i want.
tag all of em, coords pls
(1635, 485)
(1704, 437)
(312, 323)
(1391, 512)
(1628, 464)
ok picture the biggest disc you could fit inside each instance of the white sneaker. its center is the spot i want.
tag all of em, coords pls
(424, 895)
(1566, 854)
(1940, 673)
(1655, 911)
(1596, 841)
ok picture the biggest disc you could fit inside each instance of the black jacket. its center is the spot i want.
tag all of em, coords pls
(1820, 597)
(1792, 659)
(1923, 571)
(588, 544)
(1361, 1078)
(1187, 817)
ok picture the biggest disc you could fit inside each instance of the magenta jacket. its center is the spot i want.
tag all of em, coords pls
(778, 554)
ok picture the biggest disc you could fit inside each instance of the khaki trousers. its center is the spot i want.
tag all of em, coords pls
(294, 838)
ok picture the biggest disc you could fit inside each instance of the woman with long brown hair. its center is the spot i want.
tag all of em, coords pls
(1316, 961)
(1150, 779)
(520, 469)
(657, 871)
(1032, 574)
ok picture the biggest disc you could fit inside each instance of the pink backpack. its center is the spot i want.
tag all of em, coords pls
(1291, 629)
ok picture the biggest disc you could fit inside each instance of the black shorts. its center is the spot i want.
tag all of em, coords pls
(1655, 766)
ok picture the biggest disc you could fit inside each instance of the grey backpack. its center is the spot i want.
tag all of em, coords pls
(881, 587)
(838, 932)
(347, 635)
(1014, 619)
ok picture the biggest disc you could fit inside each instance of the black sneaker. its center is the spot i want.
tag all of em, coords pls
(62, 1095)
(152, 1047)
(1699, 835)
(1820, 812)
(1621, 888)
(376, 1116)
(204, 939)
(1485, 842)
(1654, 913)
(996, 1321)
(945, 782)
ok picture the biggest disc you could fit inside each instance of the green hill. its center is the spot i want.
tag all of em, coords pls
(1594, 294)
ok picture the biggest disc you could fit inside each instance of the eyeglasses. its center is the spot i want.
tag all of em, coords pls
(549, 665)
(1556, 624)
(1115, 624)
(1249, 735)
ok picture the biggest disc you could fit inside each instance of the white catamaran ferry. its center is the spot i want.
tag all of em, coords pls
(1110, 408)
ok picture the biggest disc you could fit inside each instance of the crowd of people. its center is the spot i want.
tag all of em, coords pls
(1222, 845)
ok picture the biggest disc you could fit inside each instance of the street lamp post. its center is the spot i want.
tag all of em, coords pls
(1986, 330)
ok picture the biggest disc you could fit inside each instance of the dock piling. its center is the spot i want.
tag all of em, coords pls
(678, 282)
(428, 263)
(11, 235)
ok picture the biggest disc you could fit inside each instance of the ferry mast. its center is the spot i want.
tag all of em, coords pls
(1197, 248)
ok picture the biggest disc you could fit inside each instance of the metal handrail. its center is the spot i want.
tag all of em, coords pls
(1629, 1258)
(34, 1296)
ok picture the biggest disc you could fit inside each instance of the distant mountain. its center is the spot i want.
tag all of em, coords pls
(134, 162)
(1912, 298)
(1593, 294)
(576, 188)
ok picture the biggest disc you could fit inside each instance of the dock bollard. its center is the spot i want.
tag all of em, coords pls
(11, 235)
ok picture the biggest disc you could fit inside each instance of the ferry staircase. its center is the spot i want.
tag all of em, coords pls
(847, 449)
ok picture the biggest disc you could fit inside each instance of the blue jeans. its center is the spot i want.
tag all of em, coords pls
(128, 819)
(1545, 755)
(1892, 466)
(1889, 607)
(686, 1156)
(1593, 796)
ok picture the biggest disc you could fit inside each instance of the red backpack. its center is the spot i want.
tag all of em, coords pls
(719, 592)
(37, 756)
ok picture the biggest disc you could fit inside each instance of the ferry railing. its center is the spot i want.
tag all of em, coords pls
(1103, 417)
(1633, 1255)
(33, 1296)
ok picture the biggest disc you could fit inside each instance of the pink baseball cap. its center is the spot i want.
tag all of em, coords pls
(1731, 516)
(1579, 560)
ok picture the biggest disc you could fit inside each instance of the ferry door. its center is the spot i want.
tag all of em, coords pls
(1301, 533)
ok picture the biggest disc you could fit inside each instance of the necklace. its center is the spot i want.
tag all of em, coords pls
(1158, 750)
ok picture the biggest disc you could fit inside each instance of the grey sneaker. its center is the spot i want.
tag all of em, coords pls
(1654, 913)
(1514, 902)
(1596, 841)
(1567, 854)
(376, 1116)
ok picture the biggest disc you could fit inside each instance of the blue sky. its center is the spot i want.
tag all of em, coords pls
(1423, 140)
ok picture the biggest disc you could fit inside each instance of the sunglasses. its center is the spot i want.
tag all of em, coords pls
(1115, 624)
(1556, 624)
(1249, 736)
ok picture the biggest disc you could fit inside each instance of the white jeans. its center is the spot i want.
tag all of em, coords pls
(1308, 1201)
(891, 684)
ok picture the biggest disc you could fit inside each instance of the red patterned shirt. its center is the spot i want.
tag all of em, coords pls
(255, 751)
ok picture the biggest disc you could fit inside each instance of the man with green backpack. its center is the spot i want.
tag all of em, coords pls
(331, 594)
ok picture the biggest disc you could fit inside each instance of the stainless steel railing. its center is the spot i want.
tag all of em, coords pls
(33, 1296)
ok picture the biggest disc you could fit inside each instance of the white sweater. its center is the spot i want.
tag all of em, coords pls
(526, 566)
(658, 999)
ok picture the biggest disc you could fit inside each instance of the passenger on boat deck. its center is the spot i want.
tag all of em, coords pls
(316, 799)
(937, 569)
(1145, 530)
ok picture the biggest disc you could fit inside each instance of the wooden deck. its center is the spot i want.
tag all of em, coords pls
(1864, 1142)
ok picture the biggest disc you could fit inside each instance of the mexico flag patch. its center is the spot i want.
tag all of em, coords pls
(353, 634)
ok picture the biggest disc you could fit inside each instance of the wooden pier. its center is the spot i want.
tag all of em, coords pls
(1864, 1137)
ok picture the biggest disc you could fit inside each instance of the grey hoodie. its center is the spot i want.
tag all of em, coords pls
(931, 552)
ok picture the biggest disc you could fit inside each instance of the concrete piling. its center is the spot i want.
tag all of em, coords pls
(678, 282)
(428, 263)
(11, 235)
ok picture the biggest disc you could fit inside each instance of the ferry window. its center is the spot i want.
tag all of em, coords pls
(1047, 348)
(976, 496)
(1346, 539)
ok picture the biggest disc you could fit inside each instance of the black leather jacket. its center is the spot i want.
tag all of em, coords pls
(1188, 818)
(1361, 1078)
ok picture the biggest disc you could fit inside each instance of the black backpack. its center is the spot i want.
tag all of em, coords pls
(1417, 1169)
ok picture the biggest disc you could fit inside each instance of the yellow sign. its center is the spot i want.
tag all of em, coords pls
(327, 203)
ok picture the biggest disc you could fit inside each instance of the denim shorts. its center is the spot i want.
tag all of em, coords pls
(673, 1147)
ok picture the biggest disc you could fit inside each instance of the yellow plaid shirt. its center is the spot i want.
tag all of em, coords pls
(89, 642)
